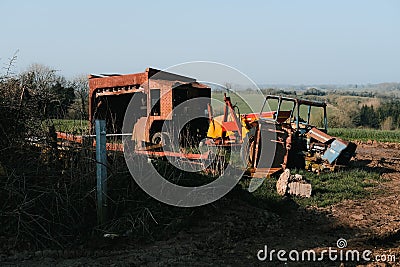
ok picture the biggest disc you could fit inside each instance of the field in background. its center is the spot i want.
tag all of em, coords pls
(366, 134)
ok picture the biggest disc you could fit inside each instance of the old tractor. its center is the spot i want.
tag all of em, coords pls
(273, 141)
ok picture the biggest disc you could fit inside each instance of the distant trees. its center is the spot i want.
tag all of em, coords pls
(79, 108)
(366, 117)
(354, 93)
(389, 115)
(272, 91)
(62, 97)
(314, 91)
(386, 116)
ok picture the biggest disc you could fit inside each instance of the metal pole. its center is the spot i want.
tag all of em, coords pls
(325, 120)
(308, 114)
(101, 159)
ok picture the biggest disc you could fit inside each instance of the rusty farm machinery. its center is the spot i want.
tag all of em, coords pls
(161, 105)
(274, 141)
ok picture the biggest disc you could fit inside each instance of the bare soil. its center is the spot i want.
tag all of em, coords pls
(230, 232)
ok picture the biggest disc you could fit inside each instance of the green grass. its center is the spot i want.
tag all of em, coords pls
(331, 188)
(71, 126)
(246, 102)
(366, 134)
(327, 188)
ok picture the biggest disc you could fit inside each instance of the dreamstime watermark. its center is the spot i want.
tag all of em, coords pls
(175, 114)
(339, 253)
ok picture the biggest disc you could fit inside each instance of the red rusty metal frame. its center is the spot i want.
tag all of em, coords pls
(107, 84)
(190, 156)
(128, 83)
(120, 147)
(144, 82)
(253, 172)
(70, 137)
(235, 125)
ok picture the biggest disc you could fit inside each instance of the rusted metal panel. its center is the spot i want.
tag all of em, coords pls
(117, 81)
(156, 74)
(319, 135)
(103, 92)
(230, 126)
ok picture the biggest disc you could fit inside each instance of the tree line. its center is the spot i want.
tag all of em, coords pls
(386, 116)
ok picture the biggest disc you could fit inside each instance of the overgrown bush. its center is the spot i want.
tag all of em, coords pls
(45, 197)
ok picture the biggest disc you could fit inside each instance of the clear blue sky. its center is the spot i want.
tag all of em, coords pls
(297, 42)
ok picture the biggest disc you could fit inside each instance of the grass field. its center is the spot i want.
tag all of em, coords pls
(328, 188)
(366, 134)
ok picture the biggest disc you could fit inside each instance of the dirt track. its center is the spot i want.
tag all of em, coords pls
(231, 232)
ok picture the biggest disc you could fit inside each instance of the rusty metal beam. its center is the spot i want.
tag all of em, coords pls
(110, 92)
